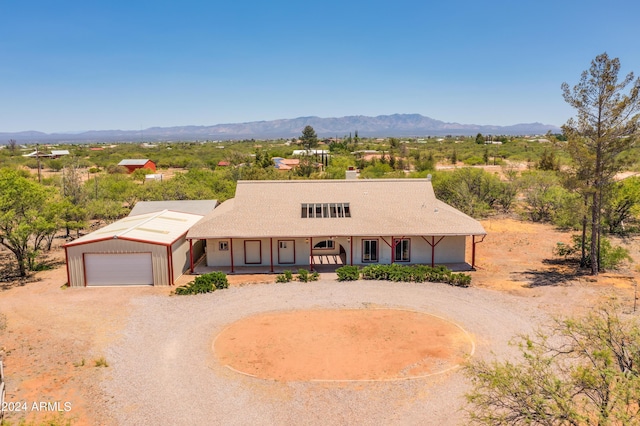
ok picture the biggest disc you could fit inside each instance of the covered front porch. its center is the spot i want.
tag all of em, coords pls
(274, 255)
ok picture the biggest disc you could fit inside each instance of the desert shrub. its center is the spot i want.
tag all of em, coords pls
(284, 277)
(115, 169)
(303, 276)
(348, 273)
(100, 362)
(611, 257)
(205, 283)
(415, 273)
(473, 161)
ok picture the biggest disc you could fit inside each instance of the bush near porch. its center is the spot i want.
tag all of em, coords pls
(205, 283)
(395, 272)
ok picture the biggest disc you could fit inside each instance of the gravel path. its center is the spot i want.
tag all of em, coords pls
(163, 370)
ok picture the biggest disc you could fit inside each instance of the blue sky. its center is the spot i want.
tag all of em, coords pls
(95, 65)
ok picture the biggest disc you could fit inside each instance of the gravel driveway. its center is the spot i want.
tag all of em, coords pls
(163, 370)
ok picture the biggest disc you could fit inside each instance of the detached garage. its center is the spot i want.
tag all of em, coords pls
(146, 249)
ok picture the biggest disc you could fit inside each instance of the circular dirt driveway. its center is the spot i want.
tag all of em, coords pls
(164, 369)
(362, 344)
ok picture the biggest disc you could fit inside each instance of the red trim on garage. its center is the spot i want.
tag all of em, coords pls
(66, 258)
(170, 260)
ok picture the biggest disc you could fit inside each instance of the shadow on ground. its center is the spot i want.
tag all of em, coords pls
(556, 272)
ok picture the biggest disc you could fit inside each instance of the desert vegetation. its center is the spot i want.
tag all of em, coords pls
(582, 180)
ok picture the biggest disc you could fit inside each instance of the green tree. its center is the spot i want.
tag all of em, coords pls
(309, 138)
(622, 204)
(473, 191)
(606, 125)
(543, 194)
(548, 161)
(22, 203)
(583, 371)
(479, 139)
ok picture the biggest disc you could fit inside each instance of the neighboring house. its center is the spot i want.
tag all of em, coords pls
(356, 222)
(57, 153)
(223, 164)
(285, 163)
(54, 154)
(146, 248)
(133, 165)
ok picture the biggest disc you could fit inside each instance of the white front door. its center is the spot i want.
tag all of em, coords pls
(286, 251)
(253, 252)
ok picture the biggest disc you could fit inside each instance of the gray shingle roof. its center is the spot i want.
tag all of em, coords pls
(382, 207)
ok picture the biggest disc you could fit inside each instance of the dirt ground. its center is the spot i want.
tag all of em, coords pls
(342, 345)
(51, 336)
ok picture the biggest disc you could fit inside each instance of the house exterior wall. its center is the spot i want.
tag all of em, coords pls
(448, 250)
(180, 257)
(159, 258)
(222, 257)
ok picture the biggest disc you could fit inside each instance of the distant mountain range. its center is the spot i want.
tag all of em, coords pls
(380, 126)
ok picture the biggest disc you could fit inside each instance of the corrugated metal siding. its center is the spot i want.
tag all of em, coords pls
(181, 261)
(158, 256)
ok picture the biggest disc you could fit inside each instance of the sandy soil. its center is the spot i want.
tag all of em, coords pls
(51, 336)
(342, 345)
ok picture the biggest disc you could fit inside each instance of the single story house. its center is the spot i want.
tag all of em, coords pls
(303, 223)
(149, 247)
(133, 165)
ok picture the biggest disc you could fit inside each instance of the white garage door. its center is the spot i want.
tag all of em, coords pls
(118, 269)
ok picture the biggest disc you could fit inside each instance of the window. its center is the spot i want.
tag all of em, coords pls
(319, 210)
(325, 245)
(223, 245)
(369, 250)
(283, 244)
(402, 250)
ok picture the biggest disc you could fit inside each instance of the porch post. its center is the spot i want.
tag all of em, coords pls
(433, 251)
(393, 249)
(473, 252)
(271, 248)
(351, 250)
(191, 255)
(231, 252)
(311, 253)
